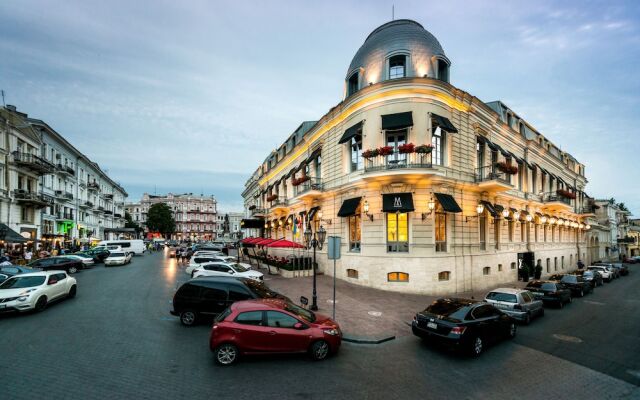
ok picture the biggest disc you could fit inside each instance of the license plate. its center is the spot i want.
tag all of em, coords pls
(432, 325)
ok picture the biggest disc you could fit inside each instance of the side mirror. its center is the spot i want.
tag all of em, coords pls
(232, 271)
(299, 326)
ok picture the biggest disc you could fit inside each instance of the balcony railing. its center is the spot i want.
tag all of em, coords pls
(553, 197)
(398, 160)
(25, 197)
(117, 215)
(491, 173)
(66, 170)
(64, 216)
(34, 163)
(61, 194)
(258, 211)
(279, 202)
(93, 186)
(87, 204)
(108, 196)
(304, 187)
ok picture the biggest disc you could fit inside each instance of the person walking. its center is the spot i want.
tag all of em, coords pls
(27, 256)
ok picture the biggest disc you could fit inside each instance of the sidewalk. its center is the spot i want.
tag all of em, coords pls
(365, 315)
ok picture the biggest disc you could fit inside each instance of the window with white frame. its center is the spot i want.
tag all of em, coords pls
(397, 66)
(437, 141)
(356, 153)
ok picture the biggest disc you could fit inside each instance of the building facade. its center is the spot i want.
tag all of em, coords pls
(431, 189)
(229, 225)
(195, 215)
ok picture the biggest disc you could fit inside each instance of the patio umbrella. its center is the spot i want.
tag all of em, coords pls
(264, 242)
(283, 243)
(247, 240)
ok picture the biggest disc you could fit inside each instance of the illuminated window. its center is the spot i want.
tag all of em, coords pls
(444, 276)
(440, 223)
(354, 231)
(352, 273)
(397, 277)
(397, 67)
(482, 222)
(397, 232)
(511, 226)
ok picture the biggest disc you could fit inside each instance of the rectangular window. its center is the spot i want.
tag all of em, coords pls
(544, 228)
(553, 233)
(319, 167)
(437, 140)
(354, 231)
(511, 227)
(534, 178)
(440, 222)
(397, 67)
(356, 153)
(482, 221)
(479, 154)
(397, 232)
(352, 87)
(395, 139)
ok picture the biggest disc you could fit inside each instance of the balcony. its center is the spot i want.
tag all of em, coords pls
(32, 199)
(93, 186)
(86, 204)
(99, 209)
(490, 179)
(68, 216)
(117, 215)
(82, 184)
(556, 202)
(107, 196)
(311, 187)
(65, 170)
(108, 212)
(627, 240)
(280, 203)
(258, 212)
(33, 163)
(400, 163)
(63, 195)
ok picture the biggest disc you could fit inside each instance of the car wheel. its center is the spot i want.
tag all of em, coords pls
(319, 350)
(477, 346)
(72, 269)
(226, 354)
(41, 304)
(72, 292)
(188, 318)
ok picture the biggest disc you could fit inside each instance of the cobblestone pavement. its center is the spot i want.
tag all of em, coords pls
(117, 340)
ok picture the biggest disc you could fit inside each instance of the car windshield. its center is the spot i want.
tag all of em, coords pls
(20, 282)
(450, 309)
(300, 312)
(570, 279)
(116, 255)
(239, 268)
(588, 274)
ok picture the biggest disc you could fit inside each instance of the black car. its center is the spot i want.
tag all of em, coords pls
(57, 263)
(578, 286)
(98, 255)
(464, 324)
(550, 292)
(17, 269)
(209, 296)
(592, 277)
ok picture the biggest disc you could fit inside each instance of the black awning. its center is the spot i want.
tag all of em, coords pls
(10, 235)
(315, 153)
(350, 132)
(349, 207)
(481, 139)
(252, 223)
(505, 153)
(498, 208)
(493, 146)
(397, 121)
(397, 202)
(518, 160)
(489, 207)
(443, 123)
(448, 203)
(312, 212)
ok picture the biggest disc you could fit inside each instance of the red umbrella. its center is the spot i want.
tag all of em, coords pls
(283, 243)
(247, 240)
(263, 242)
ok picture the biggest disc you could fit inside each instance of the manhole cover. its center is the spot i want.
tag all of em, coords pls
(331, 301)
(566, 338)
(375, 313)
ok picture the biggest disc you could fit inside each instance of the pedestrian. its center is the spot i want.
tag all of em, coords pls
(178, 255)
(27, 256)
(185, 256)
(580, 264)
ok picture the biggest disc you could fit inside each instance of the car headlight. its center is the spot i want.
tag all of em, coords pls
(23, 298)
(332, 331)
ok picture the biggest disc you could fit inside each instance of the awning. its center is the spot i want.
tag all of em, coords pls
(481, 139)
(263, 242)
(489, 207)
(312, 212)
(443, 123)
(498, 208)
(505, 153)
(518, 159)
(285, 244)
(10, 235)
(315, 153)
(448, 203)
(349, 206)
(493, 146)
(350, 132)
(252, 223)
(397, 202)
(397, 121)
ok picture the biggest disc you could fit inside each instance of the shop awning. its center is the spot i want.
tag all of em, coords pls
(493, 146)
(263, 242)
(312, 212)
(448, 203)
(498, 208)
(349, 207)
(252, 223)
(489, 207)
(285, 244)
(516, 158)
(443, 123)
(10, 236)
(350, 132)
(397, 202)
(397, 121)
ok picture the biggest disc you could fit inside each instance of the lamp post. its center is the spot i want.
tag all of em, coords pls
(316, 243)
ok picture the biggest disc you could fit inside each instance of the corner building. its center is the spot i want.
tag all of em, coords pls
(431, 190)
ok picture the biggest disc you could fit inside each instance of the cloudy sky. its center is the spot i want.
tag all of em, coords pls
(189, 96)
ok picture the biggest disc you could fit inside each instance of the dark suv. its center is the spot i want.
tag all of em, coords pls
(209, 296)
(57, 263)
(578, 286)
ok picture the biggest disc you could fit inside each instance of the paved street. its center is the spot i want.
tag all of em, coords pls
(117, 340)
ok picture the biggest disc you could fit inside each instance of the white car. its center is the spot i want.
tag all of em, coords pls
(208, 253)
(117, 258)
(226, 269)
(108, 248)
(86, 261)
(33, 291)
(606, 273)
(200, 259)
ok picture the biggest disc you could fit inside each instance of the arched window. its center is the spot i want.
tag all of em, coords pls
(352, 273)
(397, 277)
(444, 276)
(352, 84)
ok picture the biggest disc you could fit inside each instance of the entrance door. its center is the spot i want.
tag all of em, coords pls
(394, 140)
(526, 264)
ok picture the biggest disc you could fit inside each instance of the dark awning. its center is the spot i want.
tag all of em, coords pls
(397, 121)
(505, 153)
(312, 212)
(397, 202)
(350, 132)
(498, 208)
(252, 223)
(516, 158)
(481, 139)
(489, 207)
(10, 235)
(448, 203)
(315, 153)
(443, 123)
(349, 207)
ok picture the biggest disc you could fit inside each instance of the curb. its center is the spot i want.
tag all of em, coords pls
(366, 340)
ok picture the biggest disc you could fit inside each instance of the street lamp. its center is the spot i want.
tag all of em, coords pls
(316, 243)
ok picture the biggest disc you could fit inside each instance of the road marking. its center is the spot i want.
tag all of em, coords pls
(566, 338)
(375, 313)
(597, 303)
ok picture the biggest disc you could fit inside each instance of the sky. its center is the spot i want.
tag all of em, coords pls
(190, 96)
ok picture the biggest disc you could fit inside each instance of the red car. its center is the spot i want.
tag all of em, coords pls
(263, 326)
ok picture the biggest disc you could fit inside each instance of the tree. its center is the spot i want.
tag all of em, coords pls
(622, 207)
(160, 219)
(612, 201)
(132, 224)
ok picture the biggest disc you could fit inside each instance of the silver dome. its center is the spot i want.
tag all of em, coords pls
(401, 36)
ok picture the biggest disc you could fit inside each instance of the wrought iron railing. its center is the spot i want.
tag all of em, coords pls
(311, 184)
(397, 160)
(554, 197)
(279, 202)
(33, 161)
(491, 173)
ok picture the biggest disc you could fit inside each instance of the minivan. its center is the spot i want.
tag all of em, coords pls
(135, 246)
(209, 296)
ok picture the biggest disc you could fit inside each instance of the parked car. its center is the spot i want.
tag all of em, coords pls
(33, 291)
(606, 273)
(98, 255)
(117, 258)
(272, 326)
(86, 261)
(464, 324)
(57, 263)
(592, 277)
(550, 292)
(109, 248)
(226, 269)
(134, 246)
(17, 269)
(516, 303)
(610, 267)
(5, 275)
(578, 286)
(209, 296)
(200, 259)
(623, 270)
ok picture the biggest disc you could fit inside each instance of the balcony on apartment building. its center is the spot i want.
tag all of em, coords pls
(63, 195)
(64, 216)
(396, 161)
(33, 163)
(86, 204)
(560, 200)
(492, 179)
(33, 199)
(257, 212)
(117, 215)
(308, 187)
(65, 170)
(107, 196)
(93, 186)
(99, 209)
(278, 203)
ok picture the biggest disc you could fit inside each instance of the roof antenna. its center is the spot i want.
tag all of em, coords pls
(3, 103)
(393, 12)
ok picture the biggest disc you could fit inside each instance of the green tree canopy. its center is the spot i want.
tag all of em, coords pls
(131, 223)
(160, 219)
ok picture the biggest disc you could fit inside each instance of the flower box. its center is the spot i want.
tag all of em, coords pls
(406, 148)
(299, 181)
(385, 150)
(424, 149)
(370, 153)
(566, 194)
(507, 168)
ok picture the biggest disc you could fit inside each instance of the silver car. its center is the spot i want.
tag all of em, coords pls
(517, 303)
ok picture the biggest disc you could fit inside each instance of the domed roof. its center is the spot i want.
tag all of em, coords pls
(403, 35)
